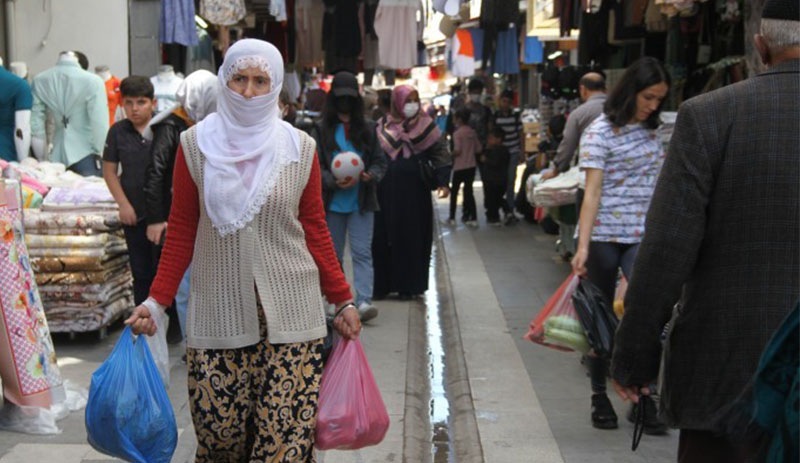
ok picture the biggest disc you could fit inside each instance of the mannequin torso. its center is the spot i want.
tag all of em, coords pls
(166, 84)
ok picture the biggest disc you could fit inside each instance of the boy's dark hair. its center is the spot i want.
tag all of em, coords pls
(620, 107)
(497, 132)
(475, 85)
(463, 115)
(137, 86)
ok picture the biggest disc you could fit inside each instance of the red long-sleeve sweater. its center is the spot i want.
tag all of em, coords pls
(185, 215)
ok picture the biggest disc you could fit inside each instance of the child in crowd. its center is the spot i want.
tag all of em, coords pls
(125, 145)
(494, 174)
(466, 147)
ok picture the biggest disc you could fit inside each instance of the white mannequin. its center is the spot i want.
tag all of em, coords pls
(22, 128)
(103, 72)
(19, 68)
(166, 84)
(39, 145)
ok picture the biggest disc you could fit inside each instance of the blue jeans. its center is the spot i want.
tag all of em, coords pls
(182, 300)
(513, 162)
(359, 226)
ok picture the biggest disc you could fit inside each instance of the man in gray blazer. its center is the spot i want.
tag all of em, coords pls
(721, 240)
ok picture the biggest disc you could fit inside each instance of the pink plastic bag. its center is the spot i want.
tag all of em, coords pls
(351, 414)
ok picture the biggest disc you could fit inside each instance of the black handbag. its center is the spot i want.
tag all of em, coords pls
(597, 317)
(427, 172)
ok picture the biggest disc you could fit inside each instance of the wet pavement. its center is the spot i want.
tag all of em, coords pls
(458, 380)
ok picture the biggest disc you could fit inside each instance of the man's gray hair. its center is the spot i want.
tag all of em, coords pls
(780, 33)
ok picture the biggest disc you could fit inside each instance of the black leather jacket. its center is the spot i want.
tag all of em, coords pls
(158, 187)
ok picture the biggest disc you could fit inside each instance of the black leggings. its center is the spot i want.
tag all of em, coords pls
(602, 265)
(468, 208)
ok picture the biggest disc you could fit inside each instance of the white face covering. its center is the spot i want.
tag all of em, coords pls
(410, 110)
(245, 143)
(475, 97)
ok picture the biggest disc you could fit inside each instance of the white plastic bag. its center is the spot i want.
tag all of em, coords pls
(158, 346)
(558, 191)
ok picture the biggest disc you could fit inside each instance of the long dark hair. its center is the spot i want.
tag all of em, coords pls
(358, 134)
(620, 107)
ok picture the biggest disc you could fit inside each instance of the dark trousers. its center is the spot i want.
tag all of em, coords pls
(143, 255)
(493, 200)
(706, 447)
(603, 264)
(468, 209)
(88, 166)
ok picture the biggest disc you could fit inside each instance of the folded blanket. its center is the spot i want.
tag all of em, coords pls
(87, 195)
(98, 240)
(111, 249)
(81, 293)
(72, 320)
(80, 278)
(69, 264)
(38, 221)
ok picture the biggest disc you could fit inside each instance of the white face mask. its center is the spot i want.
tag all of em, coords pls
(410, 110)
(475, 98)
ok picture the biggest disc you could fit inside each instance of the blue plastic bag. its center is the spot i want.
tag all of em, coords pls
(129, 415)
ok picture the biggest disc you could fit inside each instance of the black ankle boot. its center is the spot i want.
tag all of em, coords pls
(652, 424)
(603, 415)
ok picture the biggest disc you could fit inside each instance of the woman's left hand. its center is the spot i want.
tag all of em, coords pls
(443, 192)
(348, 323)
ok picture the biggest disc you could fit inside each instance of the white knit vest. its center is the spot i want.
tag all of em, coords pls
(270, 251)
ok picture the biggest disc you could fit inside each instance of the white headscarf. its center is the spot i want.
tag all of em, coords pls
(245, 143)
(198, 94)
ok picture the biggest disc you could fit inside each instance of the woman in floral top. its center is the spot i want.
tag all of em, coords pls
(621, 156)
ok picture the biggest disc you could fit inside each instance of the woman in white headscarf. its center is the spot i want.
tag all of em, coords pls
(248, 215)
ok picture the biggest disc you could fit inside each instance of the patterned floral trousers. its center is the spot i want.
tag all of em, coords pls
(257, 403)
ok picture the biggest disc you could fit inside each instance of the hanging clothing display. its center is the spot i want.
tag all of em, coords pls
(177, 23)
(463, 53)
(222, 12)
(534, 51)
(341, 35)
(308, 25)
(396, 26)
(506, 55)
(496, 16)
(593, 43)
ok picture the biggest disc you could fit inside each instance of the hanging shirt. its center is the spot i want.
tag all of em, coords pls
(114, 97)
(345, 201)
(15, 95)
(396, 26)
(78, 103)
(166, 86)
(463, 54)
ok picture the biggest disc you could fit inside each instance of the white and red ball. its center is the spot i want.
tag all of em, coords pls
(347, 165)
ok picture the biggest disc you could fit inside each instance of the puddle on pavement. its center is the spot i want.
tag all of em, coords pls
(442, 445)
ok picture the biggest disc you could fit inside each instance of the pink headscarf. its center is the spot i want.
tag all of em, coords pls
(409, 136)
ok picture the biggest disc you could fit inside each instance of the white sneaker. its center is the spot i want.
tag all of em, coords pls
(367, 311)
(472, 223)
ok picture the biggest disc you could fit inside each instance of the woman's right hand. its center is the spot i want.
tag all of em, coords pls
(141, 322)
(348, 323)
(579, 262)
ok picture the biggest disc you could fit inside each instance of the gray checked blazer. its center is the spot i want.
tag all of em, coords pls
(722, 238)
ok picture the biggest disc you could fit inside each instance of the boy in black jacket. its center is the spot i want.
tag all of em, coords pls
(494, 174)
